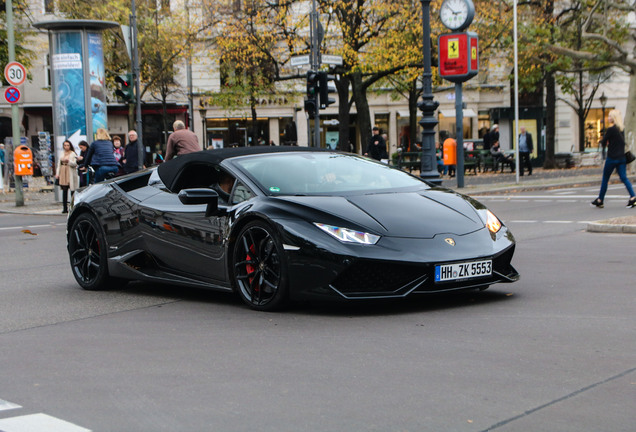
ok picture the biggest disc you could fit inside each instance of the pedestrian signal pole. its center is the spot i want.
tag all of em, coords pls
(15, 120)
(139, 128)
(316, 38)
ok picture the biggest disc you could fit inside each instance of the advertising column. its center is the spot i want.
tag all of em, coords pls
(78, 79)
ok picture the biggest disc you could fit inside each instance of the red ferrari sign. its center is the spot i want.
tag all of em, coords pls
(458, 56)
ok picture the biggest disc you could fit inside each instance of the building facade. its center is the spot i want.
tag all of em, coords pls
(282, 119)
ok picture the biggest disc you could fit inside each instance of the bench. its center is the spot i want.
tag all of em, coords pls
(488, 161)
(410, 160)
(472, 160)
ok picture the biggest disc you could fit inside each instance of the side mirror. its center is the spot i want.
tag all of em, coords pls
(201, 196)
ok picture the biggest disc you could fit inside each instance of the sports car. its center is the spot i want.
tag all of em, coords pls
(281, 224)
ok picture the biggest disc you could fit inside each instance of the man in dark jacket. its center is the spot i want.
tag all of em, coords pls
(131, 153)
(525, 149)
(491, 137)
(377, 146)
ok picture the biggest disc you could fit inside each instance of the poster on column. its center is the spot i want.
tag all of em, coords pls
(70, 115)
(97, 81)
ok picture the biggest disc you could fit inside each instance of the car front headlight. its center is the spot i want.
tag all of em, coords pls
(346, 235)
(490, 220)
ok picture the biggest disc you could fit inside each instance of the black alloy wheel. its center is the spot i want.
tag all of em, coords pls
(259, 268)
(87, 251)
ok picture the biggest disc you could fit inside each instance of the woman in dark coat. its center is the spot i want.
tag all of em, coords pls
(615, 160)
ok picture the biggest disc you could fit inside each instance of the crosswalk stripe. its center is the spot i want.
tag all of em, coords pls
(37, 423)
(6, 405)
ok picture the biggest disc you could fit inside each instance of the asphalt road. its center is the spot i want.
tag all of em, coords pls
(552, 352)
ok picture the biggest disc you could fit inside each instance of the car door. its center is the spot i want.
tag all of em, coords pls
(183, 239)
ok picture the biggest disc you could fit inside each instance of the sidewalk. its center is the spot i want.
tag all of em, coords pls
(40, 198)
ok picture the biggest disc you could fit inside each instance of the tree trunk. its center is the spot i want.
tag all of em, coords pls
(362, 109)
(550, 119)
(414, 96)
(342, 85)
(630, 120)
(254, 121)
(581, 113)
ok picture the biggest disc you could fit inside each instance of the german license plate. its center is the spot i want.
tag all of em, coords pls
(450, 272)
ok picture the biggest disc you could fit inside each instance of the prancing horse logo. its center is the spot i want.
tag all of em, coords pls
(450, 241)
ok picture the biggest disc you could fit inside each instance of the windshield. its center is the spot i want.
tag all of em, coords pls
(322, 173)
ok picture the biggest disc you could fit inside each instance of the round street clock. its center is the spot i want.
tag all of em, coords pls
(457, 14)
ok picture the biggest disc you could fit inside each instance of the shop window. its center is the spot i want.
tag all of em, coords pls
(448, 126)
(49, 6)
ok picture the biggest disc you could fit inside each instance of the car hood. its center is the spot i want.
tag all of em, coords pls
(421, 214)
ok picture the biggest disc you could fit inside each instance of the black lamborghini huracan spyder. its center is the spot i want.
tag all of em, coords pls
(282, 223)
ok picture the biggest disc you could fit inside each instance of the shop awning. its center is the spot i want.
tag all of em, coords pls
(467, 112)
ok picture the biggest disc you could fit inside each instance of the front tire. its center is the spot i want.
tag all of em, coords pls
(259, 268)
(87, 251)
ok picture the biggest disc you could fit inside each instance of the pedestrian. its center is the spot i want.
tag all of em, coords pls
(118, 153)
(615, 142)
(501, 158)
(1, 159)
(525, 148)
(158, 157)
(377, 146)
(491, 137)
(100, 156)
(82, 171)
(66, 172)
(439, 155)
(181, 141)
(131, 153)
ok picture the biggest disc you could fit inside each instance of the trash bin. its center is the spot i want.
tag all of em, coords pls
(450, 152)
(23, 161)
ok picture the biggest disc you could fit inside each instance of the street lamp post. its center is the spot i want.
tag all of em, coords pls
(428, 169)
(603, 100)
(203, 113)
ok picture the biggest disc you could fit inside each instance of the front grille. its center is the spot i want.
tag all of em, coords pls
(372, 277)
(395, 279)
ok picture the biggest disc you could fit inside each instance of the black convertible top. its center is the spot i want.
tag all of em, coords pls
(170, 171)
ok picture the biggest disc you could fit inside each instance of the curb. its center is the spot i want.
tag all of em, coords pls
(610, 228)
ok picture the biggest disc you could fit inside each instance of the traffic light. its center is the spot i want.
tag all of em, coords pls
(125, 90)
(310, 107)
(325, 89)
(313, 83)
(311, 102)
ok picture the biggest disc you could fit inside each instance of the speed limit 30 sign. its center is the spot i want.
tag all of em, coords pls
(15, 73)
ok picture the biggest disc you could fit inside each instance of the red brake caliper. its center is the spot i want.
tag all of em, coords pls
(250, 268)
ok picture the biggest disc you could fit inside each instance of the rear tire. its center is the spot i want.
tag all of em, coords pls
(87, 251)
(259, 267)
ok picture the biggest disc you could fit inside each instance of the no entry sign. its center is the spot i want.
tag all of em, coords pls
(12, 95)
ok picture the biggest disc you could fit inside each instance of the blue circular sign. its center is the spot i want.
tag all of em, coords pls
(12, 95)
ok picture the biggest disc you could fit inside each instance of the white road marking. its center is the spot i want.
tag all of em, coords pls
(523, 198)
(38, 423)
(549, 222)
(6, 405)
(31, 226)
